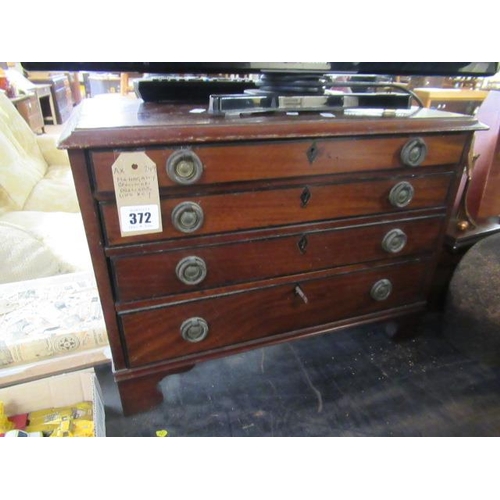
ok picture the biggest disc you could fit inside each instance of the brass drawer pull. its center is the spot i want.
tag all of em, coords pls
(184, 167)
(194, 329)
(414, 152)
(381, 290)
(187, 217)
(401, 194)
(191, 270)
(394, 241)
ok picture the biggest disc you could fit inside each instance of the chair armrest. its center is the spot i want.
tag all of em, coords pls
(48, 147)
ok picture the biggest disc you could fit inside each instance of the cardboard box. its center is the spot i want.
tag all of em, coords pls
(53, 392)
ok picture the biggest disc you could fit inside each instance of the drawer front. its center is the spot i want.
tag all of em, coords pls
(171, 272)
(280, 207)
(157, 334)
(256, 162)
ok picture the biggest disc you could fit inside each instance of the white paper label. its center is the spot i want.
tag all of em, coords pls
(139, 218)
(137, 195)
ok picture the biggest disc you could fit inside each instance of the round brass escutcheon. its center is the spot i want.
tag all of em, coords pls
(187, 217)
(184, 167)
(394, 241)
(414, 152)
(401, 194)
(194, 329)
(191, 270)
(381, 289)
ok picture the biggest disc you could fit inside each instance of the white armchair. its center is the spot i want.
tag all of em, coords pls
(41, 230)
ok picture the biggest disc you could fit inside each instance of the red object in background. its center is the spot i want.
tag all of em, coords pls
(20, 421)
(5, 85)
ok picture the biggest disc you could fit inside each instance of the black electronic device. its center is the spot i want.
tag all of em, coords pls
(478, 69)
(251, 103)
(195, 89)
(255, 87)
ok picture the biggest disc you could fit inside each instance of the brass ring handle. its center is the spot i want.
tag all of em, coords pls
(191, 270)
(184, 167)
(381, 290)
(187, 217)
(194, 329)
(394, 241)
(401, 194)
(414, 152)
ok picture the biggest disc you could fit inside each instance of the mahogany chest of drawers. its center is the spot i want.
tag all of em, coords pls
(273, 227)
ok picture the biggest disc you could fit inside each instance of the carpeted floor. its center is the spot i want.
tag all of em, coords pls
(354, 383)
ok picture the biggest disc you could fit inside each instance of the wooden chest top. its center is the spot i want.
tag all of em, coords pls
(115, 121)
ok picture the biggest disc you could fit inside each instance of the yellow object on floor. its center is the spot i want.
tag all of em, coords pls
(5, 423)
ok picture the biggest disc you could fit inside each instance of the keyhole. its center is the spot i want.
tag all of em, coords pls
(135, 166)
(312, 152)
(302, 244)
(305, 196)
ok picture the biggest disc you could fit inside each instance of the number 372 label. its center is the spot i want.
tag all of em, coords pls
(139, 218)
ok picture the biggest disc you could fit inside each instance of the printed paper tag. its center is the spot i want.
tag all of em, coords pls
(137, 194)
(140, 218)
